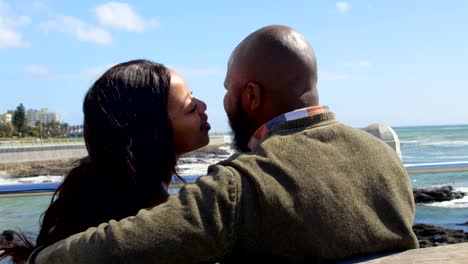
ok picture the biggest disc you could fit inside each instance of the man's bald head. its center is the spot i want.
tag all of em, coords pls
(271, 72)
(282, 62)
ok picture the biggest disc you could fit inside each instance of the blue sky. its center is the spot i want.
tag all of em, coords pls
(395, 62)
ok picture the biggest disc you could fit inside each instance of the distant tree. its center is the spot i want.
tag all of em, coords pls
(53, 128)
(39, 128)
(65, 129)
(19, 119)
(32, 131)
(3, 130)
(10, 130)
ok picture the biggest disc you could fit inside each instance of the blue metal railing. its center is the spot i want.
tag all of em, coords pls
(437, 167)
(37, 189)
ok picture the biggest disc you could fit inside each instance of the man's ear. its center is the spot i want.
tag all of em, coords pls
(252, 96)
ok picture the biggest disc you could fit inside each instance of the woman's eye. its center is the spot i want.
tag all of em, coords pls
(195, 106)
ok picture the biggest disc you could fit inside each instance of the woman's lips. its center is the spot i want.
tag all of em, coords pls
(205, 126)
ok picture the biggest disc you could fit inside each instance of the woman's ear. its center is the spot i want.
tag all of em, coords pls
(252, 96)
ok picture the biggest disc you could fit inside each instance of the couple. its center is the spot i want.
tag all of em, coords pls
(303, 187)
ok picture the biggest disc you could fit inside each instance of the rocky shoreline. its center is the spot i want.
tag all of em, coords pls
(63, 166)
(432, 236)
(37, 168)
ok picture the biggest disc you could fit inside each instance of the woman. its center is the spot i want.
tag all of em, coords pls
(139, 117)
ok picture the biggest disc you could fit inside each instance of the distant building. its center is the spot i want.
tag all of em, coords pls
(32, 116)
(52, 117)
(43, 115)
(6, 118)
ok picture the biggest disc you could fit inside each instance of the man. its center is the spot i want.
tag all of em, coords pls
(305, 187)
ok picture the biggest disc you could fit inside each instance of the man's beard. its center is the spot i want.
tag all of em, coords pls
(240, 129)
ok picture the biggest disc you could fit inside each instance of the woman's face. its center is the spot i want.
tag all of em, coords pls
(188, 118)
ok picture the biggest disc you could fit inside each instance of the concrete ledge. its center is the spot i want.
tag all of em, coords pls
(42, 148)
(42, 153)
(455, 253)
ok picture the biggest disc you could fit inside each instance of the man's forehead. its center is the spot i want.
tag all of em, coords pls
(226, 80)
(230, 76)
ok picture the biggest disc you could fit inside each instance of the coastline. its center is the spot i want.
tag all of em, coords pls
(63, 166)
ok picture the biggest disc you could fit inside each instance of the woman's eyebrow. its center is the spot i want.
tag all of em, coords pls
(185, 100)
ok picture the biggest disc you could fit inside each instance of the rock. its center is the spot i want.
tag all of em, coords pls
(37, 168)
(431, 236)
(423, 198)
(438, 194)
(209, 150)
(458, 195)
(464, 224)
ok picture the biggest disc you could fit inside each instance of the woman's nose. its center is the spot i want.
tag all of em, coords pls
(203, 106)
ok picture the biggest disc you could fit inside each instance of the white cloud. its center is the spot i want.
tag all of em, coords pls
(342, 7)
(194, 72)
(93, 72)
(364, 63)
(36, 69)
(330, 76)
(39, 6)
(122, 16)
(43, 73)
(10, 37)
(360, 64)
(78, 29)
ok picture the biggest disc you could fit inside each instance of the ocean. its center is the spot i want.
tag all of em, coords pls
(428, 144)
(418, 145)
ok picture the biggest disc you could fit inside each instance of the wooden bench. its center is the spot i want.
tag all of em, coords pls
(455, 253)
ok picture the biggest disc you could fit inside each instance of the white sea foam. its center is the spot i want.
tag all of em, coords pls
(455, 203)
(30, 180)
(452, 158)
(446, 143)
(410, 141)
(454, 127)
(228, 149)
(189, 166)
(192, 169)
(461, 189)
(435, 142)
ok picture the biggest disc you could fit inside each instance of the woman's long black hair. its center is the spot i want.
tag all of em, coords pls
(131, 156)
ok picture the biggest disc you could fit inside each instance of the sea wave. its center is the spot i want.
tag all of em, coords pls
(436, 143)
(446, 143)
(416, 141)
(454, 127)
(192, 169)
(30, 180)
(455, 203)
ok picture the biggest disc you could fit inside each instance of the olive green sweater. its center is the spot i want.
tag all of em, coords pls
(313, 189)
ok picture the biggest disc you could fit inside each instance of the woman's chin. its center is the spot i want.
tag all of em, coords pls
(206, 140)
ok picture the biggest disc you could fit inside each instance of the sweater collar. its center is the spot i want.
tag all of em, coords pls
(289, 116)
